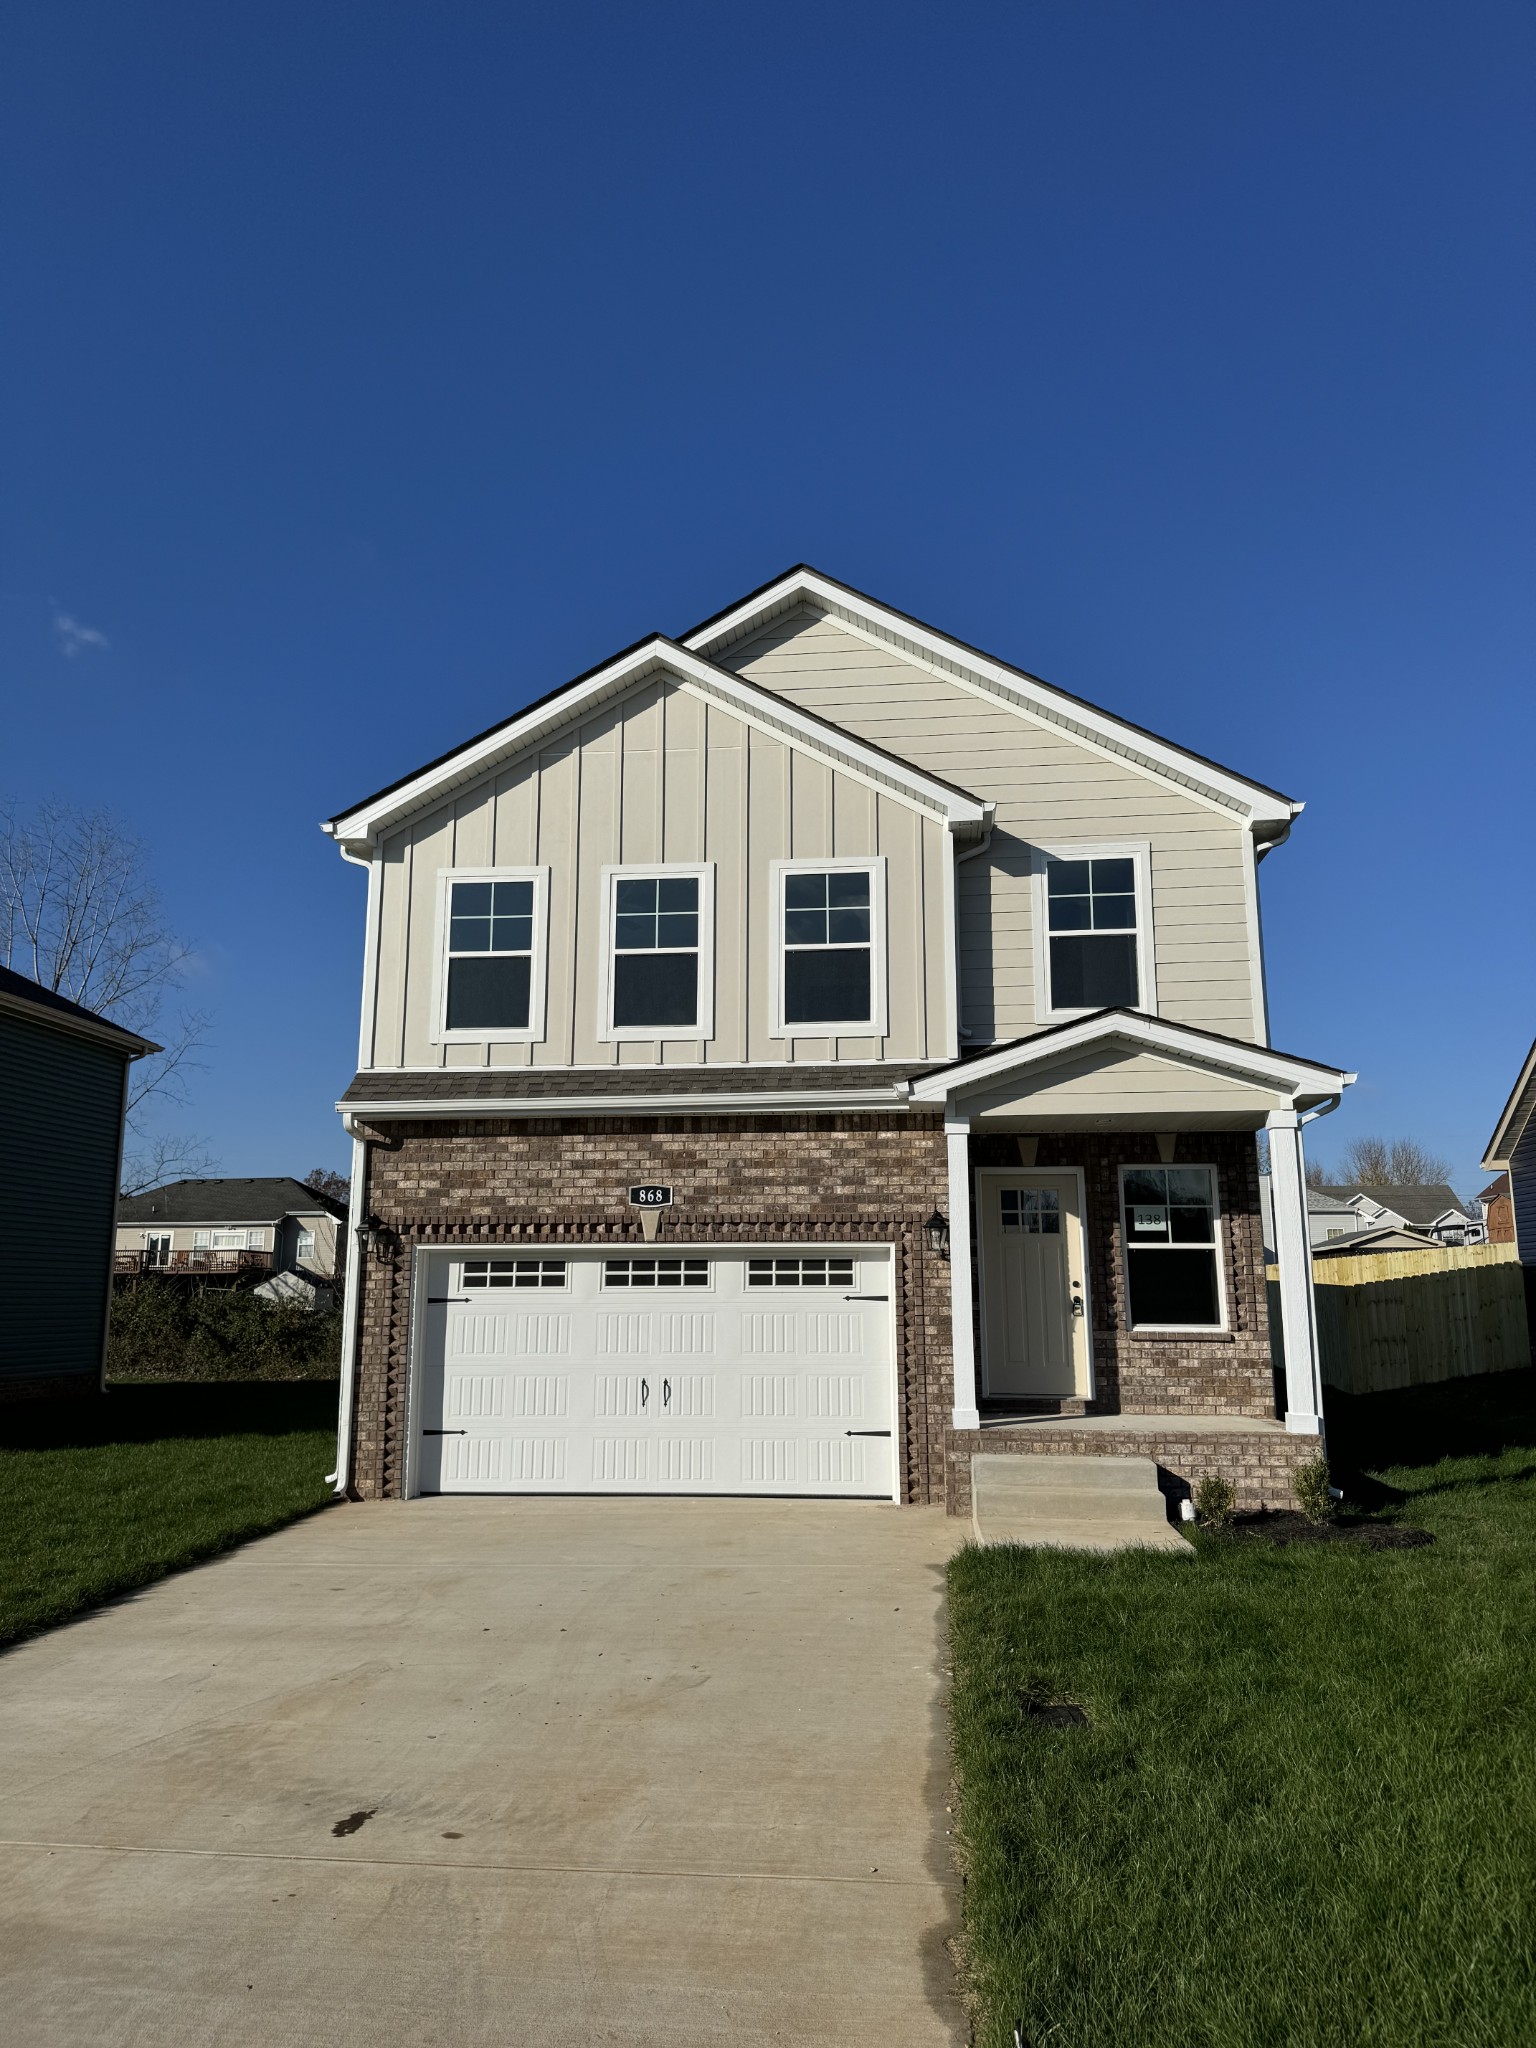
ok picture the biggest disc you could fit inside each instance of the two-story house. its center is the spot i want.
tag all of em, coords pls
(799, 1053)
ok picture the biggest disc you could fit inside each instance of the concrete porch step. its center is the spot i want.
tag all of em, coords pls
(1070, 1503)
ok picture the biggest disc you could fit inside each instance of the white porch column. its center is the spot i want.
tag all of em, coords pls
(957, 1130)
(1293, 1257)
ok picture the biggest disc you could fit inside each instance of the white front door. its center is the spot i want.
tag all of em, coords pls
(687, 1370)
(1034, 1321)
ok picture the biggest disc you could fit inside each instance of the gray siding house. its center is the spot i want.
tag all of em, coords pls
(63, 1095)
(801, 1055)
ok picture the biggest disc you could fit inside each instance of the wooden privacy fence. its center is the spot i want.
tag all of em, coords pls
(1401, 1319)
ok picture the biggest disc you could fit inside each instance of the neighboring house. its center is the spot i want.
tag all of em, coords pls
(1437, 1211)
(63, 1096)
(276, 1228)
(1498, 1209)
(1384, 1237)
(795, 1055)
(1327, 1218)
(1513, 1147)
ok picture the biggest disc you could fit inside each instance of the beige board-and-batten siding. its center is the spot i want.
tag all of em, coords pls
(1405, 1319)
(662, 775)
(1049, 787)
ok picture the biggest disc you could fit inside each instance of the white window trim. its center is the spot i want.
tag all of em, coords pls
(609, 1033)
(534, 1031)
(1218, 1249)
(1137, 850)
(872, 864)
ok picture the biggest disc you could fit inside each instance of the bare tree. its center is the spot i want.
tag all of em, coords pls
(324, 1182)
(1384, 1163)
(80, 915)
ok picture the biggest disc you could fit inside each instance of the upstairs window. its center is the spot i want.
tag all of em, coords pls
(1095, 931)
(831, 976)
(492, 972)
(304, 1247)
(659, 973)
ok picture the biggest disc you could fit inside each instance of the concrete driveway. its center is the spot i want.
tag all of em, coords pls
(492, 1772)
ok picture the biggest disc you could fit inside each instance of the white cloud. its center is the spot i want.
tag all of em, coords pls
(73, 637)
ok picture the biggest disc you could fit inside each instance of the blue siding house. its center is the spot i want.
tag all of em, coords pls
(63, 1094)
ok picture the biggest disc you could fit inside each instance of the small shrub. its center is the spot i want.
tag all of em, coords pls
(1215, 1498)
(1309, 1483)
(165, 1330)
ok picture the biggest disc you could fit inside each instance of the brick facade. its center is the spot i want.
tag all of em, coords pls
(851, 1177)
(871, 1179)
(1259, 1466)
(1230, 1373)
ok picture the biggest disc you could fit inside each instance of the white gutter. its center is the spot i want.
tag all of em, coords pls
(357, 1258)
(467, 1109)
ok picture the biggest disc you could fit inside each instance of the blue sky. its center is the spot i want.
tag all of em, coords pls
(367, 371)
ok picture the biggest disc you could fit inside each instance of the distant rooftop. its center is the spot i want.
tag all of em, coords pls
(226, 1201)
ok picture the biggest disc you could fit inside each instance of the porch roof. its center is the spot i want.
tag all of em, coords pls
(1123, 1070)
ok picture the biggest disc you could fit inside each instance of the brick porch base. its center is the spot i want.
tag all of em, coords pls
(1258, 1458)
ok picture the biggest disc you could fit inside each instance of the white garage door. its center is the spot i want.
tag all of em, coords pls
(666, 1371)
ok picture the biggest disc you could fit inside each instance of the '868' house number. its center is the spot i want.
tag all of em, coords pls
(650, 1195)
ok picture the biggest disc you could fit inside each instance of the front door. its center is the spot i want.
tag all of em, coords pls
(1034, 1324)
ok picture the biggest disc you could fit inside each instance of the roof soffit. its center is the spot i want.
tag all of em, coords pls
(1514, 1117)
(1221, 788)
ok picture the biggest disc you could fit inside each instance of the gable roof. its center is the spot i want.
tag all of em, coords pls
(1383, 1237)
(1266, 809)
(1515, 1116)
(227, 1201)
(1418, 1206)
(30, 998)
(656, 656)
(1306, 1080)
(1495, 1189)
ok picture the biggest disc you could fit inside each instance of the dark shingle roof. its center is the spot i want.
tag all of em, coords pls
(226, 1201)
(22, 990)
(1419, 1206)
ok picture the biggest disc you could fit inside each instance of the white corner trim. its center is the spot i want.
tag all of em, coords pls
(872, 864)
(703, 872)
(538, 972)
(1137, 851)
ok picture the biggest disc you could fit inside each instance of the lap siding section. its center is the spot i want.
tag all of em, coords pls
(831, 1178)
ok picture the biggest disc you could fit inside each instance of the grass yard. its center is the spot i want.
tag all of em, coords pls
(1304, 1812)
(101, 1496)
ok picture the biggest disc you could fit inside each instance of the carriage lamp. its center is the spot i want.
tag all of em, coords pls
(938, 1234)
(374, 1234)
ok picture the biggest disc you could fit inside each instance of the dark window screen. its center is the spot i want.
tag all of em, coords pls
(1092, 922)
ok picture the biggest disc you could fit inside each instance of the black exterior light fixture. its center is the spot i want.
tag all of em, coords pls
(938, 1234)
(374, 1234)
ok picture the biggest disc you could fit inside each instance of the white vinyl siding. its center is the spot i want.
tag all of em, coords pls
(661, 778)
(1049, 788)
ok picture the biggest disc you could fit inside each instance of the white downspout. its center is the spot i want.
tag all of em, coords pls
(357, 1259)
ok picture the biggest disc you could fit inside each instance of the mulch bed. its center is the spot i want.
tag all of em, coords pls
(1282, 1526)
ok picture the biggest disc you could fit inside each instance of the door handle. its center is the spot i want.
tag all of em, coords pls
(666, 1393)
(645, 1393)
(445, 1432)
(866, 1432)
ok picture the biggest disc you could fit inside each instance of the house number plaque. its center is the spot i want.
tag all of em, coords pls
(650, 1195)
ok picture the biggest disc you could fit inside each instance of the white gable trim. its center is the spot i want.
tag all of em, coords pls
(1183, 1046)
(358, 830)
(1219, 787)
(1515, 1116)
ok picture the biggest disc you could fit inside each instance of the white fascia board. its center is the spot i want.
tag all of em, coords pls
(1514, 1117)
(360, 829)
(787, 1101)
(1141, 1034)
(1260, 808)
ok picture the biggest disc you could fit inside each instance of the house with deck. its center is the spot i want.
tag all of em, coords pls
(802, 1053)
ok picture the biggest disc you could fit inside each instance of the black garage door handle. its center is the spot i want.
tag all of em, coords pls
(866, 1432)
(465, 1432)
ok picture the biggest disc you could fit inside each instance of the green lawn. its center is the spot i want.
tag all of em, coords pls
(100, 1496)
(1304, 1813)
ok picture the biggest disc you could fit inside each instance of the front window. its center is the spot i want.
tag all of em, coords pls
(490, 955)
(656, 953)
(1171, 1251)
(1092, 934)
(830, 944)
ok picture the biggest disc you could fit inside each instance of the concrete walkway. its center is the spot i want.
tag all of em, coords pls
(492, 1774)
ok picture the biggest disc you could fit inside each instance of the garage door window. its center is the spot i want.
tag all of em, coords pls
(799, 1272)
(656, 1272)
(514, 1272)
